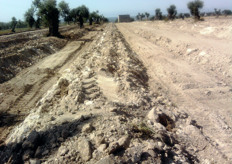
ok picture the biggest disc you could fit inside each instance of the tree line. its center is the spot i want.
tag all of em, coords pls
(48, 12)
(193, 6)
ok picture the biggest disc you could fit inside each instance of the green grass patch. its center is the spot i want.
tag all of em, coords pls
(17, 30)
(142, 131)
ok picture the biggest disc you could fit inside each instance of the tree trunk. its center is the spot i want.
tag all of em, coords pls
(54, 23)
(81, 22)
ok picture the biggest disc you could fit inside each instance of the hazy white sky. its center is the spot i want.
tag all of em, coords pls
(110, 8)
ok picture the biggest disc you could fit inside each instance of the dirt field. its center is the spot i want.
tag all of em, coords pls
(141, 92)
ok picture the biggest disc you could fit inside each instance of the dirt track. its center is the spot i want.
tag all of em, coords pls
(27, 88)
(194, 70)
(146, 92)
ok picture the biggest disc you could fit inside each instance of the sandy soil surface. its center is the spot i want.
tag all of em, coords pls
(192, 63)
(142, 92)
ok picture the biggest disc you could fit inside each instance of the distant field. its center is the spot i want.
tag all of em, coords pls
(8, 31)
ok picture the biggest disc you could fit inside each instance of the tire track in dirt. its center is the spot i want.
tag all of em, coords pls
(163, 68)
(39, 78)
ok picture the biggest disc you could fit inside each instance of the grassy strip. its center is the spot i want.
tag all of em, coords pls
(17, 30)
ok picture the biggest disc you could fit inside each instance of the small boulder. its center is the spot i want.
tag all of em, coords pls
(102, 147)
(106, 160)
(152, 115)
(135, 153)
(99, 139)
(38, 152)
(35, 161)
(88, 128)
(113, 147)
(124, 141)
(62, 151)
(85, 150)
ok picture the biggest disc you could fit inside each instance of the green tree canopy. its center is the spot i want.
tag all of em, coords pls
(147, 15)
(227, 12)
(142, 16)
(138, 16)
(94, 17)
(172, 12)
(65, 11)
(194, 7)
(158, 14)
(50, 14)
(79, 13)
(29, 17)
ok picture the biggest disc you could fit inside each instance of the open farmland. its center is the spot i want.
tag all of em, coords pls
(141, 92)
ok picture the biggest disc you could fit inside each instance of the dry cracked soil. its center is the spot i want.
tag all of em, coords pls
(141, 92)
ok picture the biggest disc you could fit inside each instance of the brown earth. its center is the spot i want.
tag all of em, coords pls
(142, 92)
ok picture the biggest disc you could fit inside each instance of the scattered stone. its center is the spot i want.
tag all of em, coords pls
(27, 155)
(208, 93)
(85, 150)
(102, 147)
(152, 115)
(99, 140)
(38, 152)
(60, 113)
(124, 142)
(135, 153)
(107, 160)
(35, 161)
(160, 145)
(45, 152)
(62, 151)
(151, 146)
(52, 118)
(88, 128)
(113, 110)
(113, 147)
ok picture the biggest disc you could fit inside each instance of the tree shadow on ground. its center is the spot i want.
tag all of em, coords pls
(7, 119)
(41, 144)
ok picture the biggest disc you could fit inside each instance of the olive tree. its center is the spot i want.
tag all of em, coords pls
(94, 17)
(217, 12)
(227, 12)
(147, 15)
(142, 16)
(79, 14)
(65, 11)
(194, 7)
(158, 14)
(50, 14)
(138, 16)
(83, 13)
(37, 17)
(172, 12)
(29, 17)
(13, 24)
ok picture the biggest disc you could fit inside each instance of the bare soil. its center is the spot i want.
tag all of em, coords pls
(141, 92)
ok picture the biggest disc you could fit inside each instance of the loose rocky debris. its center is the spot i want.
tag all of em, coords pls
(23, 50)
(101, 110)
(195, 73)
